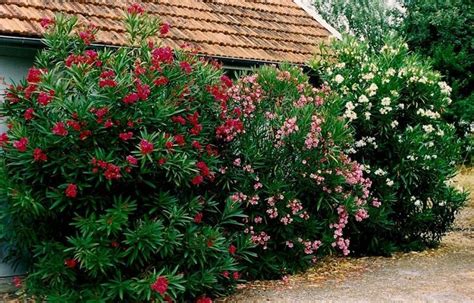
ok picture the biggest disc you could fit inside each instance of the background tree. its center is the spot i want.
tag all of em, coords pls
(370, 20)
(442, 30)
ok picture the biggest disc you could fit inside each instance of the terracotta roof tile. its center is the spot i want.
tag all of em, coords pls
(264, 30)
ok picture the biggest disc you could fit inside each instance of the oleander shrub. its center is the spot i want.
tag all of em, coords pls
(287, 167)
(394, 101)
(108, 169)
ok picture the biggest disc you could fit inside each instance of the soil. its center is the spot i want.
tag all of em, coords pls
(444, 274)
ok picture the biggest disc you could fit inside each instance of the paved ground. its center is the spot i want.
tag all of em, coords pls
(445, 274)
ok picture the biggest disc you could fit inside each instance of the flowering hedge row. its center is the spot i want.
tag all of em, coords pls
(146, 174)
(395, 101)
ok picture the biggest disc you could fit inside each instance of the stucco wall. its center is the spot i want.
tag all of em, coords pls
(11, 69)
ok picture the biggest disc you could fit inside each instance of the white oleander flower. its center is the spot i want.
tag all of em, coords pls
(428, 128)
(445, 88)
(380, 172)
(385, 101)
(363, 99)
(350, 105)
(368, 76)
(372, 90)
(389, 182)
(391, 72)
(339, 79)
(385, 110)
(394, 123)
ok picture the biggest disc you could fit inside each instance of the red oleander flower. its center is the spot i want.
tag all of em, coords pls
(3, 139)
(12, 94)
(225, 274)
(232, 249)
(169, 145)
(74, 124)
(87, 36)
(226, 81)
(162, 161)
(196, 130)
(85, 134)
(132, 160)
(108, 123)
(29, 114)
(186, 67)
(126, 136)
(143, 90)
(164, 29)
(138, 69)
(203, 168)
(100, 113)
(179, 139)
(179, 120)
(135, 9)
(91, 56)
(161, 81)
(107, 74)
(162, 54)
(160, 285)
(21, 144)
(196, 145)
(45, 98)
(107, 83)
(17, 281)
(71, 263)
(198, 218)
(59, 129)
(39, 155)
(34, 75)
(71, 190)
(197, 180)
(204, 300)
(211, 151)
(29, 90)
(46, 22)
(112, 171)
(131, 98)
(236, 275)
(146, 147)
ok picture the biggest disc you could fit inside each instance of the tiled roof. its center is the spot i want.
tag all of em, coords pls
(262, 30)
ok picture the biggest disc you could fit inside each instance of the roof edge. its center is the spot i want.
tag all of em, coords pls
(309, 8)
(228, 61)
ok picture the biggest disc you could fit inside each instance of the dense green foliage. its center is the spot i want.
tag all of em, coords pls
(394, 101)
(443, 31)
